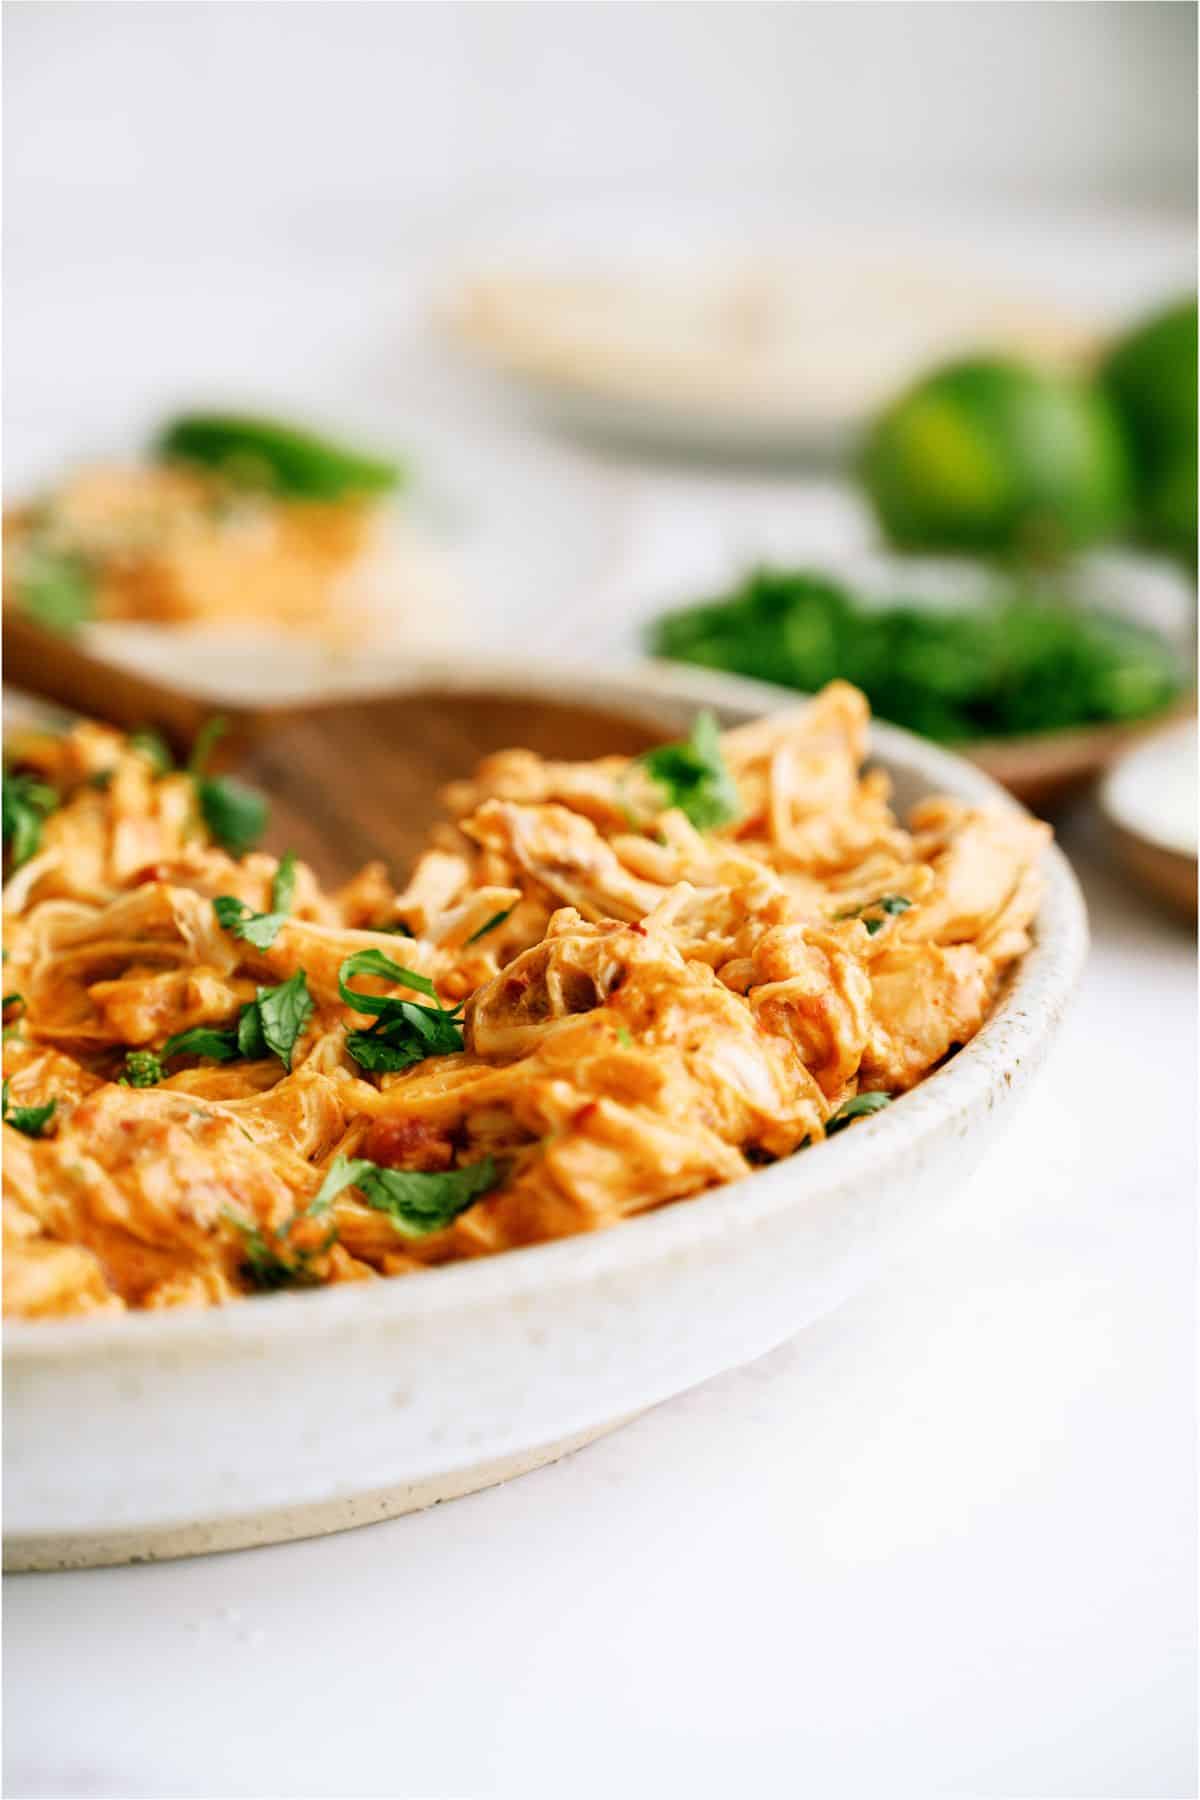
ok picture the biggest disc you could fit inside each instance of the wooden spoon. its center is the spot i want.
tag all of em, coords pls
(349, 779)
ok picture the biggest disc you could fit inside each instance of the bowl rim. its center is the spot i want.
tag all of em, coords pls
(1017, 1031)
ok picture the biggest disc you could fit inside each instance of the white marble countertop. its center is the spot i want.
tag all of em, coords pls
(942, 1543)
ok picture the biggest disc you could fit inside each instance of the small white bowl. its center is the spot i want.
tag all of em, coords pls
(1150, 801)
(152, 1435)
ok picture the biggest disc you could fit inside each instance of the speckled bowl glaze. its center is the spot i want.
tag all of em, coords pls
(158, 1435)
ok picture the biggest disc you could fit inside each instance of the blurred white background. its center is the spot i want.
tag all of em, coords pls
(258, 204)
(342, 126)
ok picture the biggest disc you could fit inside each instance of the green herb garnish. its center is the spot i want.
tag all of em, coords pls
(273, 1022)
(417, 1202)
(153, 746)
(32, 1120)
(860, 1107)
(260, 929)
(1007, 666)
(490, 924)
(235, 814)
(283, 1013)
(625, 1037)
(404, 1032)
(26, 803)
(693, 777)
(890, 905)
(14, 1004)
(202, 1040)
(267, 1268)
(143, 1068)
(55, 588)
(261, 454)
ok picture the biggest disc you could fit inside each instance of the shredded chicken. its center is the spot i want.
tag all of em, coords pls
(172, 546)
(604, 1008)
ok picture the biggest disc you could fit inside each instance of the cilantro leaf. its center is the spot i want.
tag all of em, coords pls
(14, 1006)
(270, 1023)
(418, 1203)
(235, 814)
(888, 904)
(260, 929)
(283, 1012)
(26, 803)
(153, 746)
(249, 1033)
(692, 775)
(408, 1036)
(283, 887)
(32, 1120)
(202, 1040)
(491, 924)
(267, 1268)
(404, 1032)
(142, 1069)
(374, 962)
(860, 1107)
(55, 588)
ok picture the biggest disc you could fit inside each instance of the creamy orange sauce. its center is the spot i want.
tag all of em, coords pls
(657, 1011)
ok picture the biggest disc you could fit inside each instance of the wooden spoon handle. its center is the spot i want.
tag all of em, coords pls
(58, 668)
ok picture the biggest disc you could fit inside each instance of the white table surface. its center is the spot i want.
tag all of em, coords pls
(941, 1544)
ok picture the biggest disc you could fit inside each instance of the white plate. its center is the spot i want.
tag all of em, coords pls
(159, 1434)
(1150, 800)
(753, 357)
(1152, 792)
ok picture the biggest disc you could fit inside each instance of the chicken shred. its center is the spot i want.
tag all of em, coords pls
(645, 1010)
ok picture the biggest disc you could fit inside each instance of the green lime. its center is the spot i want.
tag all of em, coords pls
(1151, 376)
(994, 456)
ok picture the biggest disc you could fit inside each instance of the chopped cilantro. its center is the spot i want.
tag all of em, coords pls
(404, 1032)
(888, 904)
(26, 803)
(1000, 667)
(491, 924)
(417, 1202)
(153, 746)
(32, 1120)
(625, 1037)
(692, 776)
(235, 814)
(272, 1022)
(55, 588)
(860, 1107)
(260, 929)
(249, 1033)
(283, 884)
(267, 1268)
(202, 1040)
(283, 1012)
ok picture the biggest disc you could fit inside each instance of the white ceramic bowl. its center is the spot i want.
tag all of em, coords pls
(151, 1435)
